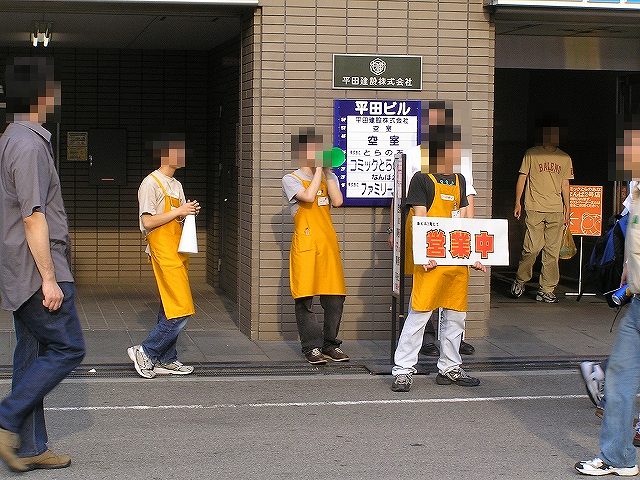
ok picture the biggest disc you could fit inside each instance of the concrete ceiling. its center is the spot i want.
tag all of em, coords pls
(141, 30)
(566, 22)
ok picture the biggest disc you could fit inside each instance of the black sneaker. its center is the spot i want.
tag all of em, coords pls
(458, 377)
(402, 382)
(430, 350)
(336, 354)
(466, 348)
(546, 297)
(315, 357)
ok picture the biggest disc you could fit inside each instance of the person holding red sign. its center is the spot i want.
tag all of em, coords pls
(544, 179)
(438, 194)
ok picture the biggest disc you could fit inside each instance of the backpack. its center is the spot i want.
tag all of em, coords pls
(604, 267)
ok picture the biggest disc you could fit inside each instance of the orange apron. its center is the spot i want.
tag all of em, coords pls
(315, 267)
(444, 286)
(170, 267)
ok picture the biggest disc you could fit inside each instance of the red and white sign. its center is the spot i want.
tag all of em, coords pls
(460, 241)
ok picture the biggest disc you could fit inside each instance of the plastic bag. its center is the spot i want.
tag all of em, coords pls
(568, 248)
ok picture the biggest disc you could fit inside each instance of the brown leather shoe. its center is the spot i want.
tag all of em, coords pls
(9, 443)
(47, 461)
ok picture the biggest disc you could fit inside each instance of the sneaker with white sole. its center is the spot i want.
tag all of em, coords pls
(402, 382)
(458, 377)
(142, 363)
(517, 289)
(173, 368)
(593, 377)
(546, 297)
(597, 468)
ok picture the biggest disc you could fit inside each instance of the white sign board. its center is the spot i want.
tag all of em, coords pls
(460, 241)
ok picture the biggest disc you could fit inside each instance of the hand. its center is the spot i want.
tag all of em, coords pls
(430, 266)
(479, 266)
(188, 208)
(623, 278)
(517, 210)
(53, 295)
(567, 217)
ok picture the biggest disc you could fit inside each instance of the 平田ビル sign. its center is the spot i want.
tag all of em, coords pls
(372, 133)
(377, 72)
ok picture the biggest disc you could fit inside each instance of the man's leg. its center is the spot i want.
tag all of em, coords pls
(621, 386)
(410, 341)
(531, 246)
(451, 330)
(310, 331)
(550, 274)
(332, 306)
(60, 351)
(160, 344)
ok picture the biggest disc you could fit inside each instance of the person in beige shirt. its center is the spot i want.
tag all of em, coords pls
(544, 179)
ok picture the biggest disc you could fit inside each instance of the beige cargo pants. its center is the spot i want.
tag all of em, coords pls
(544, 233)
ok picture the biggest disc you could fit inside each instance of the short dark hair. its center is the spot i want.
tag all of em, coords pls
(162, 142)
(26, 80)
(442, 137)
(305, 136)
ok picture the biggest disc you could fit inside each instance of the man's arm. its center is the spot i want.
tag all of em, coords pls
(522, 180)
(149, 222)
(334, 190)
(310, 193)
(468, 211)
(36, 232)
(565, 200)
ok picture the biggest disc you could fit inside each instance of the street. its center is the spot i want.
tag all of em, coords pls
(530, 425)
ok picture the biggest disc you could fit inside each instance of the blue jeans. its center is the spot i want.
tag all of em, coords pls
(49, 346)
(622, 380)
(160, 344)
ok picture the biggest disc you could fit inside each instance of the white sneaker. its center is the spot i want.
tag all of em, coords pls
(593, 377)
(597, 468)
(142, 363)
(173, 368)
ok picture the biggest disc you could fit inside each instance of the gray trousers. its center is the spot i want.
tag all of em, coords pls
(312, 333)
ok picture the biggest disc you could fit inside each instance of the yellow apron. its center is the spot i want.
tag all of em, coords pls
(444, 286)
(170, 267)
(315, 267)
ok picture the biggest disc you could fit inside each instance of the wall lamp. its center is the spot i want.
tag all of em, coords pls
(41, 34)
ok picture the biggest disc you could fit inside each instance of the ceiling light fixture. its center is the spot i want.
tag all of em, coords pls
(41, 34)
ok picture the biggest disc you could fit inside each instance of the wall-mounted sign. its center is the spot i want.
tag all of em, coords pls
(460, 241)
(377, 72)
(77, 146)
(372, 133)
(584, 4)
(585, 206)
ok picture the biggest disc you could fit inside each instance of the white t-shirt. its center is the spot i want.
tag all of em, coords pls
(413, 166)
(632, 241)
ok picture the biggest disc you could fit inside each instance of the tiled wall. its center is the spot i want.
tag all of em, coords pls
(290, 44)
(140, 91)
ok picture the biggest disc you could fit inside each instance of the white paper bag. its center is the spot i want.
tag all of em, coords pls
(189, 239)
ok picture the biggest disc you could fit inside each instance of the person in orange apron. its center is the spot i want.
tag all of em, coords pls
(163, 207)
(315, 266)
(438, 194)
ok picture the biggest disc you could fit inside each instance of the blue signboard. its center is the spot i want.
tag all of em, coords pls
(371, 133)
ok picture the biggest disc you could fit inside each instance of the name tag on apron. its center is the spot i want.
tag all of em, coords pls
(322, 201)
(449, 198)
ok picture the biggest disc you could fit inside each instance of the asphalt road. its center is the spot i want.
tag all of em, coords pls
(524, 425)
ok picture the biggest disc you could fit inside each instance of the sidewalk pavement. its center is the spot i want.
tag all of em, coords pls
(115, 317)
